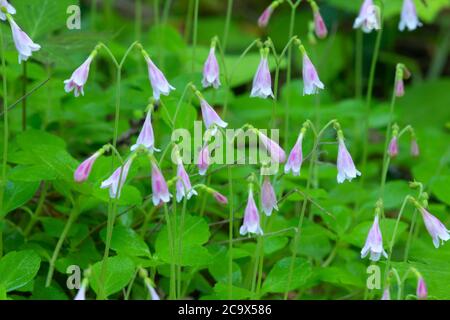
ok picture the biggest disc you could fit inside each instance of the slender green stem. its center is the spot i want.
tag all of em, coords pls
(24, 92)
(410, 236)
(230, 233)
(366, 114)
(172, 291)
(5, 138)
(275, 93)
(227, 24)
(386, 143)
(38, 210)
(180, 247)
(72, 217)
(289, 72)
(359, 64)
(194, 34)
(166, 11)
(391, 243)
(188, 25)
(312, 163)
(138, 19)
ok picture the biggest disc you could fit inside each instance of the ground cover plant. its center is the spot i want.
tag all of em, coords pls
(208, 149)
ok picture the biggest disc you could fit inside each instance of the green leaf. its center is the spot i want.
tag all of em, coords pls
(195, 233)
(278, 278)
(32, 173)
(119, 271)
(17, 193)
(18, 268)
(126, 241)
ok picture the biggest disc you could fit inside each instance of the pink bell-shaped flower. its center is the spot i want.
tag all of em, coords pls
(78, 78)
(211, 71)
(345, 166)
(24, 45)
(160, 191)
(319, 26)
(275, 151)
(183, 185)
(220, 198)
(294, 161)
(264, 18)
(421, 292)
(311, 81)
(393, 147)
(435, 228)
(408, 17)
(84, 169)
(374, 243)
(116, 181)
(251, 217)
(203, 160)
(158, 81)
(146, 137)
(8, 7)
(268, 197)
(368, 18)
(211, 118)
(262, 82)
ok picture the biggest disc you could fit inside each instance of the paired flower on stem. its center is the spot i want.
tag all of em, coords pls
(116, 181)
(159, 186)
(319, 25)
(311, 81)
(79, 77)
(157, 79)
(268, 197)
(295, 159)
(82, 172)
(146, 137)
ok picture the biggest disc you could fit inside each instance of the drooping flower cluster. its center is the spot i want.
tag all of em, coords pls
(393, 147)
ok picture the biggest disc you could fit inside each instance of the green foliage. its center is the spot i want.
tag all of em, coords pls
(18, 268)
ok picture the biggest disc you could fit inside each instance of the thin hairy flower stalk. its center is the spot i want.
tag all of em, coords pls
(394, 234)
(38, 210)
(166, 11)
(312, 162)
(188, 25)
(194, 33)
(24, 92)
(359, 64)
(227, 24)
(172, 290)
(230, 233)
(5, 137)
(130, 285)
(399, 283)
(112, 207)
(177, 110)
(289, 70)
(72, 217)
(366, 114)
(180, 232)
(138, 19)
(386, 158)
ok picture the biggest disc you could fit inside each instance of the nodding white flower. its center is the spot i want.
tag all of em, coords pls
(211, 71)
(275, 151)
(84, 169)
(311, 81)
(374, 243)
(435, 228)
(9, 9)
(319, 25)
(409, 17)
(160, 192)
(264, 18)
(268, 197)
(399, 88)
(203, 160)
(183, 185)
(211, 118)
(421, 292)
(152, 291)
(262, 82)
(345, 166)
(146, 136)
(158, 81)
(24, 45)
(393, 147)
(386, 294)
(294, 161)
(78, 78)
(112, 182)
(251, 217)
(368, 18)
(414, 148)
(81, 294)
(220, 198)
